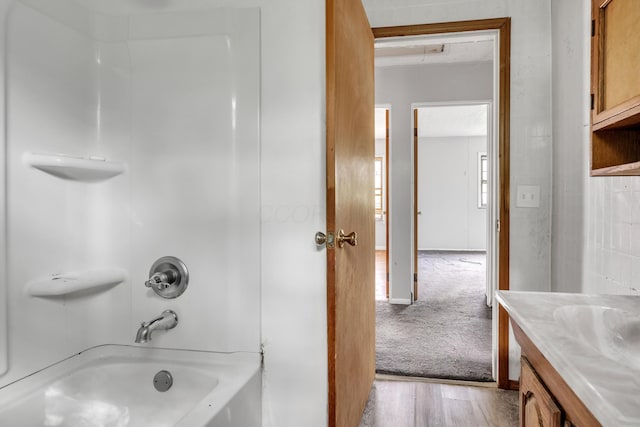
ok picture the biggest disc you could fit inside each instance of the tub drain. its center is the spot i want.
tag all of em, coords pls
(163, 381)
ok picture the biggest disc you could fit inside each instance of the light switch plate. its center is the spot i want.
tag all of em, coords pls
(528, 196)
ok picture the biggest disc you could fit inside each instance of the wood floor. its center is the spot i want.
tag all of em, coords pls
(425, 404)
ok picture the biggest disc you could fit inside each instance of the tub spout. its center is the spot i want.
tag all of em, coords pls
(167, 320)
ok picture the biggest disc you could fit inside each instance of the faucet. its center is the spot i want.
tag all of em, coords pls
(167, 320)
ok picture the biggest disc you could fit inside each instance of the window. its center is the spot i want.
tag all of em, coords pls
(483, 175)
(378, 187)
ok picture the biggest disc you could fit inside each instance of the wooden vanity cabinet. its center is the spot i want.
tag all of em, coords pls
(545, 399)
(615, 87)
(537, 407)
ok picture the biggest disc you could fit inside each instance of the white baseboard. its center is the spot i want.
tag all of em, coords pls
(381, 248)
(400, 301)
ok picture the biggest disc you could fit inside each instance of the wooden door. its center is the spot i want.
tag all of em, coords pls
(416, 212)
(387, 206)
(350, 207)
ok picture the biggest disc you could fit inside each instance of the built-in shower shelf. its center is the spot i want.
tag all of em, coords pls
(68, 283)
(64, 166)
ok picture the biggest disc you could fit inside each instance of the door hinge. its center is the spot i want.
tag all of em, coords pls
(593, 28)
(592, 101)
(415, 277)
(387, 276)
(497, 225)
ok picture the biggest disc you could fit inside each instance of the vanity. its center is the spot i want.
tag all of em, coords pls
(580, 358)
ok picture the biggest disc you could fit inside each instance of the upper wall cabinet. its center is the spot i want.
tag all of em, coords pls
(615, 87)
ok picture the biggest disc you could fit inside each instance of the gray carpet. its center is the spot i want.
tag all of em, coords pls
(447, 332)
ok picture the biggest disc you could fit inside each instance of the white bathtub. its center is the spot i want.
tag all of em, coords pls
(112, 386)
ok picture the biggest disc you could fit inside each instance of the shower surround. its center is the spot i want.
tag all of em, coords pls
(132, 133)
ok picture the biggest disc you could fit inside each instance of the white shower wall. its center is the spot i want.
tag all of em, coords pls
(175, 96)
(195, 173)
(51, 108)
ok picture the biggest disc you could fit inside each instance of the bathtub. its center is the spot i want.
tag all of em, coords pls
(113, 386)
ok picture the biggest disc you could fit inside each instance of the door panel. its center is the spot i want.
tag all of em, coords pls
(350, 206)
(415, 204)
(387, 206)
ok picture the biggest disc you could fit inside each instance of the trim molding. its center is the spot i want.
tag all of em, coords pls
(400, 301)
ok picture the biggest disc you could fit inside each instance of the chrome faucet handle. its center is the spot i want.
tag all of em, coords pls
(168, 277)
(161, 280)
(156, 282)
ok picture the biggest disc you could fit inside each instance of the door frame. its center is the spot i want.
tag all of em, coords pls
(386, 186)
(503, 27)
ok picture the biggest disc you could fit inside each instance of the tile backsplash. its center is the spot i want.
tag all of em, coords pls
(613, 236)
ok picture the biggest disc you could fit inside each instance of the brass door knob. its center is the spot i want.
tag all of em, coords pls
(351, 238)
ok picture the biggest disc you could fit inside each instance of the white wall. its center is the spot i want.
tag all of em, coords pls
(4, 350)
(571, 156)
(448, 182)
(399, 87)
(531, 156)
(294, 305)
(51, 108)
(195, 172)
(600, 214)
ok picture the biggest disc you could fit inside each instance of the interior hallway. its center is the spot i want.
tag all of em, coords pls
(447, 332)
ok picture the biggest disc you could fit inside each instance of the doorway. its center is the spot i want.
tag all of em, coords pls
(381, 200)
(498, 277)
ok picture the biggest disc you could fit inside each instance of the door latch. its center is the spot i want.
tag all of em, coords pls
(329, 239)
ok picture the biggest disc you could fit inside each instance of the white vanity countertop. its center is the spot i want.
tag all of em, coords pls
(572, 331)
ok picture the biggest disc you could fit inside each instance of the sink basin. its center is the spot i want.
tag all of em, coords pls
(610, 331)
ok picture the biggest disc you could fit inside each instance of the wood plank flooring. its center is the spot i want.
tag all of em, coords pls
(395, 403)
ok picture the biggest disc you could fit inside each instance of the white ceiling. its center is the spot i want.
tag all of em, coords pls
(473, 47)
(442, 120)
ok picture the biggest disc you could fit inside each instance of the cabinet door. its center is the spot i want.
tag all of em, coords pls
(616, 60)
(615, 87)
(537, 408)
